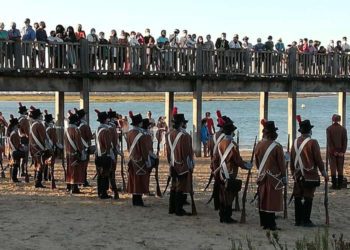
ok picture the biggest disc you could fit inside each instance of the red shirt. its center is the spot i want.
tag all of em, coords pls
(210, 125)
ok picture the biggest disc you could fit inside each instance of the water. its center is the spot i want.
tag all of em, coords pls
(245, 114)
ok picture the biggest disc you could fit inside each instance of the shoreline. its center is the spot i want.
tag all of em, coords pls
(147, 97)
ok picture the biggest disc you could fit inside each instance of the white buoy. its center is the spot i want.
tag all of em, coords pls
(303, 106)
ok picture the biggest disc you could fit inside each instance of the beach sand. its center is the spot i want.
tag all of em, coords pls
(53, 219)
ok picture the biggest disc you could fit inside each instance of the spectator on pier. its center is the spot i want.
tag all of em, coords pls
(234, 44)
(14, 49)
(36, 26)
(93, 40)
(134, 51)
(280, 46)
(338, 48)
(28, 37)
(174, 39)
(317, 45)
(191, 43)
(41, 37)
(300, 45)
(113, 40)
(60, 31)
(345, 46)
(3, 33)
(246, 44)
(162, 39)
(80, 34)
(102, 52)
(305, 46)
(140, 38)
(123, 42)
(71, 52)
(183, 39)
(259, 47)
(147, 36)
(208, 45)
(330, 47)
(199, 42)
(3, 38)
(269, 44)
(221, 42)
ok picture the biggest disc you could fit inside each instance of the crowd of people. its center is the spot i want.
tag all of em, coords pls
(122, 52)
(33, 133)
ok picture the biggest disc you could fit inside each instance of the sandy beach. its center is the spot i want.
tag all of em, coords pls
(53, 219)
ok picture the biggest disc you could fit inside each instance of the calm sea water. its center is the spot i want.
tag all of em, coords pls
(245, 114)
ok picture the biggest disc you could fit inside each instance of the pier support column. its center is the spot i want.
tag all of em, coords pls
(59, 113)
(292, 110)
(169, 105)
(342, 107)
(84, 98)
(264, 109)
(197, 117)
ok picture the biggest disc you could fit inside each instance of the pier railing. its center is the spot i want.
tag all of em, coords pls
(85, 58)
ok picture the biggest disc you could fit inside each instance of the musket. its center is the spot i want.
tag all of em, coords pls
(52, 168)
(326, 187)
(194, 209)
(237, 208)
(63, 166)
(244, 197)
(285, 190)
(156, 176)
(122, 164)
(291, 199)
(209, 181)
(2, 170)
(167, 184)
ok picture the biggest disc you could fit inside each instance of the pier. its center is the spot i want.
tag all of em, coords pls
(114, 68)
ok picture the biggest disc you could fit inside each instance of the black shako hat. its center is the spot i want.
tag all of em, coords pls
(111, 114)
(72, 118)
(13, 121)
(178, 118)
(269, 126)
(48, 117)
(34, 112)
(81, 112)
(22, 109)
(145, 123)
(135, 119)
(304, 126)
(228, 126)
(101, 116)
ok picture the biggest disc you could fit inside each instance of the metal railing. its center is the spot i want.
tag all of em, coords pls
(85, 58)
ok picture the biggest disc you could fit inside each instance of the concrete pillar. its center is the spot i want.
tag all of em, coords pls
(342, 107)
(59, 113)
(84, 98)
(169, 105)
(292, 104)
(264, 109)
(197, 117)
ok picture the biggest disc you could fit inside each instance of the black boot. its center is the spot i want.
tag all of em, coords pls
(172, 202)
(179, 198)
(138, 200)
(104, 187)
(69, 187)
(216, 196)
(222, 213)
(262, 219)
(307, 213)
(99, 185)
(184, 199)
(23, 174)
(340, 181)
(14, 173)
(134, 200)
(334, 182)
(298, 206)
(46, 173)
(75, 189)
(271, 222)
(115, 194)
(228, 214)
(39, 179)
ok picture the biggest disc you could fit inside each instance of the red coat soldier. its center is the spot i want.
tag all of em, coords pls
(74, 154)
(38, 150)
(271, 166)
(337, 142)
(86, 137)
(24, 127)
(16, 148)
(306, 161)
(181, 163)
(103, 157)
(140, 160)
(225, 163)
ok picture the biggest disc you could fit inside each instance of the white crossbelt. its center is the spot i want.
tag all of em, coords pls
(266, 156)
(172, 147)
(98, 145)
(216, 142)
(37, 142)
(223, 158)
(11, 144)
(133, 144)
(49, 141)
(86, 145)
(71, 142)
(298, 159)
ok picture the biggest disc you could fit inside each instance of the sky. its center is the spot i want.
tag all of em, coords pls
(289, 20)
